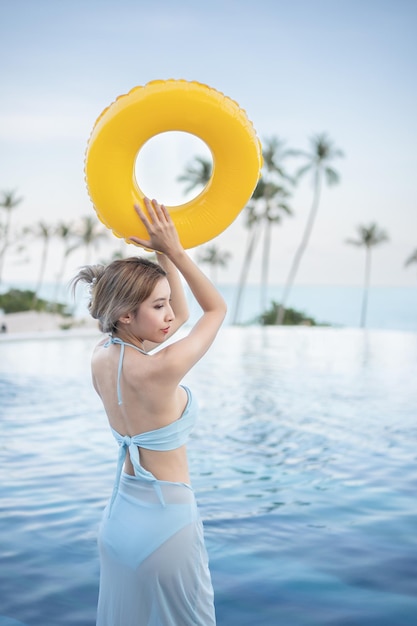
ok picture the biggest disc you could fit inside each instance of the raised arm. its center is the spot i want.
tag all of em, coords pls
(178, 299)
(182, 355)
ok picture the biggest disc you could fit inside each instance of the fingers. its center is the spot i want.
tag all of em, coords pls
(166, 216)
(157, 212)
(159, 225)
(150, 208)
(142, 216)
(143, 243)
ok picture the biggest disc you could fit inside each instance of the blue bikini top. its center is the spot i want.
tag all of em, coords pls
(169, 437)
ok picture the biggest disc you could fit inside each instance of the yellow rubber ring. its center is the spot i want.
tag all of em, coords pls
(172, 105)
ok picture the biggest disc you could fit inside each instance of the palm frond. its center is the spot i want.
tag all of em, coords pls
(369, 236)
(411, 259)
(332, 177)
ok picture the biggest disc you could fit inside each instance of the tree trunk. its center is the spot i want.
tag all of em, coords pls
(245, 270)
(59, 279)
(366, 287)
(265, 265)
(41, 272)
(6, 242)
(301, 249)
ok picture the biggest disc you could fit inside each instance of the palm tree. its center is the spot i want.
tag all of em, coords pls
(368, 237)
(275, 204)
(265, 207)
(8, 203)
(275, 197)
(67, 233)
(264, 210)
(322, 153)
(274, 153)
(197, 174)
(215, 258)
(42, 231)
(253, 224)
(90, 235)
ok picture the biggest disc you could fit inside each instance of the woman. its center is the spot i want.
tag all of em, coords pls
(154, 567)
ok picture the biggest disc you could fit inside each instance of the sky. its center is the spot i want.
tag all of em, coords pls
(346, 68)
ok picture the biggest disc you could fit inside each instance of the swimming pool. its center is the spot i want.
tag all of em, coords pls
(303, 463)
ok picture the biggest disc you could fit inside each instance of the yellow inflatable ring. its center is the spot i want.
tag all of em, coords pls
(172, 105)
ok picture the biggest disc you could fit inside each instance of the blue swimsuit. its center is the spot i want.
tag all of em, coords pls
(153, 561)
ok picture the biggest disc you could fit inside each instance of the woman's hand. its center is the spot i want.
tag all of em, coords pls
(163, 236)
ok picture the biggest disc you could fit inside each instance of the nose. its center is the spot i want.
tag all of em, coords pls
(170, 315)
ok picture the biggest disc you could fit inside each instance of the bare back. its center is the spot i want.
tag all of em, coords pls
(150, 402)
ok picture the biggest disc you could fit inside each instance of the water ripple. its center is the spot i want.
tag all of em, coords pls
(304, 466)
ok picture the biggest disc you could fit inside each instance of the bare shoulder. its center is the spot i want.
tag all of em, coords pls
(98, 357)
(99, 345)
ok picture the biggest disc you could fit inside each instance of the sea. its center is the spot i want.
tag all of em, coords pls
(303, 461)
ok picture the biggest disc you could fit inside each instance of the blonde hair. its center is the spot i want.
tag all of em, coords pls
(118, 288)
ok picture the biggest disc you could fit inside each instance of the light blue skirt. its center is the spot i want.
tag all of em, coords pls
(154, 565)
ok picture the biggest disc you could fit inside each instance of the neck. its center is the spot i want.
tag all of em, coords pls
(130, 338)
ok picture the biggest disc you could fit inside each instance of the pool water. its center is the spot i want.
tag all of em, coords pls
(303, 463)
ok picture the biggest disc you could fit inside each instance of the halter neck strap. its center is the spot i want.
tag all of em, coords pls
(122, 344)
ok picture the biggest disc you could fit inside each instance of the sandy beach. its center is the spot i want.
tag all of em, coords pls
(29, 322)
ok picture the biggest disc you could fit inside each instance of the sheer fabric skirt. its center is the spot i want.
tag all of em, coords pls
(154, 565)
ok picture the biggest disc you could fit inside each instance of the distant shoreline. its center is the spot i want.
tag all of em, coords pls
(28, 322)
(33, 325)
(388, 308)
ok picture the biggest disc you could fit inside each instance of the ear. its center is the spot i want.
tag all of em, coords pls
(126, 318)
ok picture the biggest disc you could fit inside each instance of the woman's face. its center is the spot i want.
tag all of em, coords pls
(154, 316)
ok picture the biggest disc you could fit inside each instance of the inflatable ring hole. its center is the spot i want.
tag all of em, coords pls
(163, 159)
